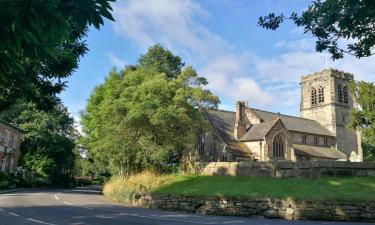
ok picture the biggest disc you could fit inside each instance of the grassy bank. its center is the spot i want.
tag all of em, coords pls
(348, 188)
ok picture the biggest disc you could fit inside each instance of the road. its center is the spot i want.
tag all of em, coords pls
(81, 206)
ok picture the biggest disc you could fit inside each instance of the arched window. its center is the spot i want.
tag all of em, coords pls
(345, 94)
(339, 92)
(321, 94)
(278, 147)
(313, 96)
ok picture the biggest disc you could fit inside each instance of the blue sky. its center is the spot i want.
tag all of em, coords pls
(221, 39)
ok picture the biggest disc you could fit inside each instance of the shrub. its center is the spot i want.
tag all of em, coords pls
(4, 184)
(4, 180)
(124, 189)
(40, 182)
(83, 181)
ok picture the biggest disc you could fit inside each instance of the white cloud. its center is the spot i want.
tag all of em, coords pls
(172, 23)
(233, 74)
(116, 61)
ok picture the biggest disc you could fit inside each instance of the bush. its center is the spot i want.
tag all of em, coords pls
(4, 184)
(4, 180)
(83, 181)
(40, 182)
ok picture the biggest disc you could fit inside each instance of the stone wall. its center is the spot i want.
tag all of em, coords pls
(270, 208)
(10, 139)
(312, 169)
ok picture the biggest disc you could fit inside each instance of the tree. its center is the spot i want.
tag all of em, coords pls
(40, 45)
(48, 140)
(147, 114)
(364, 117)
(333, 22)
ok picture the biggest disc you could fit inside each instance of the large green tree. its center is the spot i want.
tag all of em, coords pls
(146, 114)
(48, 140)
(40, 45)
(363, 118)
(333, 22)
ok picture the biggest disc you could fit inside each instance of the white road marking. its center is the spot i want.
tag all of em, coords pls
(168, 219)
(39, 221)
(68, 203)
(56, 197)
(13, 214)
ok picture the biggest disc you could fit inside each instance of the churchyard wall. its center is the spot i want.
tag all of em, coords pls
(312, 169)
(269, 208)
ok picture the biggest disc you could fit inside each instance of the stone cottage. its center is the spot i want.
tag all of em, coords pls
(10, 139)
(320, 133)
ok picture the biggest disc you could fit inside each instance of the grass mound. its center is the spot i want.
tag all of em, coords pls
(346, 188)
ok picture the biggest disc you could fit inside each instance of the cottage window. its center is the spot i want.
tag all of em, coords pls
(313, 96)
(345, 94)
(326, 141)
(278, 147)
(321, 94)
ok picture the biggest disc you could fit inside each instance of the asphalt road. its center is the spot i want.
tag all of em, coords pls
(80, 207)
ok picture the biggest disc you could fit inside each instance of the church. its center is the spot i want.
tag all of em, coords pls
(320, 133)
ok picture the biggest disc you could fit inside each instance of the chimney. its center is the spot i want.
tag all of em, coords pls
(240, 126)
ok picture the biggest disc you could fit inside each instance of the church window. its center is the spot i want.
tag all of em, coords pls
(339, 92)
(321, 94)
(326, 141)
(200, 144)
(278, 147)
(345, 94)
(313, 96)
(304, 139)
(316, 140)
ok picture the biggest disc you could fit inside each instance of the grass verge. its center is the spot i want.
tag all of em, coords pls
(346, 188)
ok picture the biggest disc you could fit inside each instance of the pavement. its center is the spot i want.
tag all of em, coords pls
(87, 206)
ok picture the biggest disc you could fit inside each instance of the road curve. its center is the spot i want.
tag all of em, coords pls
(81, 207)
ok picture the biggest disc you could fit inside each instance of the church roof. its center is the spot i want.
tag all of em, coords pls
(258, 131)
(318, 151)
(222, 123)
(293, 123)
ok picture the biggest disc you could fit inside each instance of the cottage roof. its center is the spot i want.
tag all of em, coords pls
(222, 123)
(318, 151)
(10, 125)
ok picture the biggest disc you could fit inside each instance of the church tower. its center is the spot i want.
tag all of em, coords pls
(326, 98)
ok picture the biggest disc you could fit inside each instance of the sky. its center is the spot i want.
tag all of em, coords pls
(221, 40)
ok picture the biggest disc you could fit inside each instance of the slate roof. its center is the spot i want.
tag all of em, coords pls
(258, 131)
(294, 123)
(318, 151)
(222, 123)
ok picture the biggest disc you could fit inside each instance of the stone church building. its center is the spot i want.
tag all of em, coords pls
(320, 133)
(10, 139)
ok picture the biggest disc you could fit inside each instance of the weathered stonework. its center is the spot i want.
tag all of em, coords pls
(312, 169)
(10, 139)
(271, 208)
(332, 113)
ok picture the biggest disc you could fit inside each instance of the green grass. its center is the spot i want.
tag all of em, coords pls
(348, 188)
